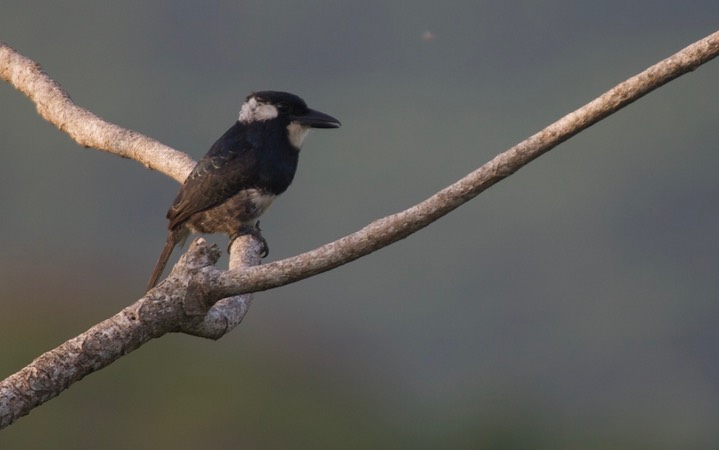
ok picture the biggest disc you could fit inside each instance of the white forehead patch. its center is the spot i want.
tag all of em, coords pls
(254, 111)
(297, 134)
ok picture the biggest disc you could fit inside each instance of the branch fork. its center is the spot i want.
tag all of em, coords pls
(199, 299)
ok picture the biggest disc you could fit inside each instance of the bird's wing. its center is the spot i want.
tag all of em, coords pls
(225, 170)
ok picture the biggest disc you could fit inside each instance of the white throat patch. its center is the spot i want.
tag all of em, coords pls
(297, 134)
(254, 111)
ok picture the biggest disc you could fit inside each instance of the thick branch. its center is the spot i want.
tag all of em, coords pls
(150, 317)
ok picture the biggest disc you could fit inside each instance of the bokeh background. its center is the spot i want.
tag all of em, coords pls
(574, 305)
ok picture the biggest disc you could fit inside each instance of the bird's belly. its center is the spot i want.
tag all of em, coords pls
(240, 211)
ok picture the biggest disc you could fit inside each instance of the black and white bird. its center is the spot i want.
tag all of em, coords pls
(243, 172)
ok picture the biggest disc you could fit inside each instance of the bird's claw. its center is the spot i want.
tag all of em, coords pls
(257, 233)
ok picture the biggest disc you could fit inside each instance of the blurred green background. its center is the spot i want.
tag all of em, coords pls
(572, 306)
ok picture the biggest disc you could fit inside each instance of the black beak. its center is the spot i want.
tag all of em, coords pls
(316, 119)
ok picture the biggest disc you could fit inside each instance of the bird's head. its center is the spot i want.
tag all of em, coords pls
(287, 109)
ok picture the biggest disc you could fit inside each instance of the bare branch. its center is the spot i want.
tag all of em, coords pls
(227, 313)
(84, 127)
(150, 317)
(183, 301)
(390, 229)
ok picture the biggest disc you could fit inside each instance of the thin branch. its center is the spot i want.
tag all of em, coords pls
(84, 127)
(390, 229)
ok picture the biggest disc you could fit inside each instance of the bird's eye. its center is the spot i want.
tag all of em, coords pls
(283, 107)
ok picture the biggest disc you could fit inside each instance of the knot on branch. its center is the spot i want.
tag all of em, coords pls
(188, 284)
(192, 279)
(208, 314)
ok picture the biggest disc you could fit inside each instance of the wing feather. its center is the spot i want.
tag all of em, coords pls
(229, 167)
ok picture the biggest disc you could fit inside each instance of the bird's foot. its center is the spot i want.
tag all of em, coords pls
(253, 231)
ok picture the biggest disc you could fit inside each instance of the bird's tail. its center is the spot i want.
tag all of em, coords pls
(162, 260)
